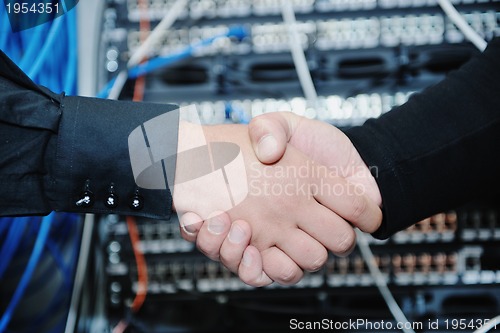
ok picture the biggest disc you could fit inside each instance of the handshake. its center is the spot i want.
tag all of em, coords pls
(278, 194)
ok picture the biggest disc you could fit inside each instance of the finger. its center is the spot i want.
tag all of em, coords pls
(233, 247)
(304, 250)
(251, 270)
(280, 267)
(347, 200)
(332, 231)
(212, 234)
(190, 224)
(269, 134)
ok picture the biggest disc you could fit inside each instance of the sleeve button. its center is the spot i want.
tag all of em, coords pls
(137, 201)
(86, 199)
(112, 199)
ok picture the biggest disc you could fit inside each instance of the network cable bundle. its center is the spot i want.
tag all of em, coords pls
(38, 255)
(337, 61)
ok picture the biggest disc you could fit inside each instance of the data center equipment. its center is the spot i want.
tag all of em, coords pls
(233, 59)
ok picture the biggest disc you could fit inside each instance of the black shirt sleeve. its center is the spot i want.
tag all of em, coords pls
(441, 148)
(54, 145)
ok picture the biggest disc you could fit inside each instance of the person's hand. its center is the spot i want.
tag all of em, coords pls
(288, 230)
(270, 133)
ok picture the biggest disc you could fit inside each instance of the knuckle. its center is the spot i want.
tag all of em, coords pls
(207, 249)
(256, 128)
(359, 206)
(289, 275)
(254, 278)
(229, 261)
(317, 264)
(346, 242)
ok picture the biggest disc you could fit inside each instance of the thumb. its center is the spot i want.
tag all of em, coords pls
(270, 133)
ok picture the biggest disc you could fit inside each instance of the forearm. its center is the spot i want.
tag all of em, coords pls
(52, 146)
(439, 149)
(92, 147)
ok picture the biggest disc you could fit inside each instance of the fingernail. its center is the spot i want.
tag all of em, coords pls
(236, 234)
(188, 222)
(189, 228)
(216, 225)
(267, 146)
(247, 259)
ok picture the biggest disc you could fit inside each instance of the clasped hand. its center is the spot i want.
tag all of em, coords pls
(305, 188)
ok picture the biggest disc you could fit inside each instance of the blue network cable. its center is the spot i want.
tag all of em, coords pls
(59, 301)
(4, 226)
(33, 48)
(12, 242)
(4, 28)
(53, 248)
(43, 234)
(70, 75)
(156, 63)
(238, 32)
(47, 47)
(53, 64)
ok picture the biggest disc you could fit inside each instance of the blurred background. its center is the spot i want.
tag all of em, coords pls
(338, 61)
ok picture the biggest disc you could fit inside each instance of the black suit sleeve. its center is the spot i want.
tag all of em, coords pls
(53, 145)
(441, 148)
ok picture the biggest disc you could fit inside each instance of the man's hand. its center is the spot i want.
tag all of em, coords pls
(270, 133)
(288, 227)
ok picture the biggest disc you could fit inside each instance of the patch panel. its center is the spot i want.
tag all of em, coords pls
(168, 277)
(333, 109)
(203, 8)
(273, 7)
(213, 277)
(425, 268)
(324, 35)
(156, 10)
(412, 30)
(223, 9)
(485, 23)
(474, 273)
(351, 271)
(438, 228)
(186, 276)
(221, 45)
(156, 237)
(341, 5)
(233, 8)
(481, 225)
(466, 224)
(400, 269)
(195, 274)
(422, 3)
(171, 41)
(270, 37)
(348, 33)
